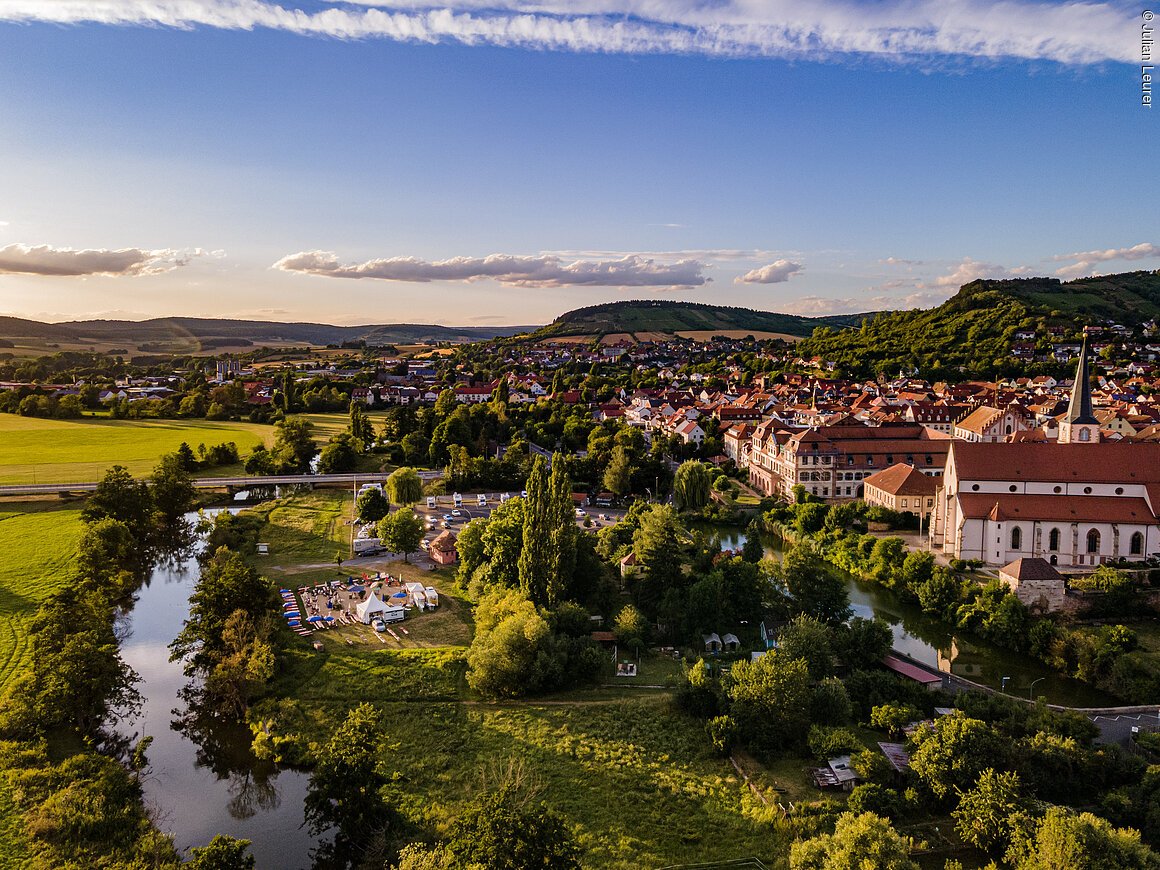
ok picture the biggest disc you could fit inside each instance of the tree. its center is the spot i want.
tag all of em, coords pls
(294, 446)
(858, 842)
(227, 584)
(618, 474)
(770, 700)
(953, 753)
(500, 832)
(864, 642)
(401, 532)
(753, 550)
(1063, 839)
(631, 627)
(339, 456)
(361, 431)
(815, 589)
(809, 518)
(657, 544)
(404, 486)
(345, 783)
(245, 663)
(988, 813)
(809, 639)
(691, 486)
(510, 639)
(372, 505)
(893, 718)
(118, 496)
(222, 853)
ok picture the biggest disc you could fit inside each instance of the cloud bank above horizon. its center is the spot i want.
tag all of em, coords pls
(1067, 33)
(543, 271)
(46, 260)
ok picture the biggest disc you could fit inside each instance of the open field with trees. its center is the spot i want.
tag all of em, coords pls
(39, 450)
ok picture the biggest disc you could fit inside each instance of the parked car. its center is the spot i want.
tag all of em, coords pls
(447, 518)
(378, 625)
(580, 514)
(457, 513)
(482, 500)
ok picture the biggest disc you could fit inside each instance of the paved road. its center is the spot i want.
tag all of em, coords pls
(216, 482)
(1118, 728)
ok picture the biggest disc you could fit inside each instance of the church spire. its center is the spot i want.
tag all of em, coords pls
(1079, 424)
(1079, 409)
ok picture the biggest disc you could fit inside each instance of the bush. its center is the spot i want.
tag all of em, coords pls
(826, 742)
(869, 797)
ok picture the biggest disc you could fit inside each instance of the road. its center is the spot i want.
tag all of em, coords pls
(218, 482)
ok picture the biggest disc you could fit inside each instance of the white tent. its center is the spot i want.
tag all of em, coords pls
(369, 609)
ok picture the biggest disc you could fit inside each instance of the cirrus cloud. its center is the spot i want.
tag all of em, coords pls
(1071, 32)
(1086, 260)
(70, 262)
(544, 270)
(774, 273)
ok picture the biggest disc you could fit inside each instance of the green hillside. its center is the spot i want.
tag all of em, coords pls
(635, 316)
(193, 334)
(971, 333)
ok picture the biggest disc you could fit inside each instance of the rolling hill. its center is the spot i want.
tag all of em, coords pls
(657, 316)
(971, 333)
(197, 334)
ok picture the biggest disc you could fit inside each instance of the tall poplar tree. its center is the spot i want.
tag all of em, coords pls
(562, 533)
(536, 553)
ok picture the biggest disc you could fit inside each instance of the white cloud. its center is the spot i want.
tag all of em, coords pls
(899, 261)
(1070, 32)
(47, 260)
(774, 273)
(1085, 260)
(544, 270)
(970, 270)
(819, 306)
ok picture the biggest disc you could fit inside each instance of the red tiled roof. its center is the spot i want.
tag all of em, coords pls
(1115, 462)
(1057, 508)
(902, 479)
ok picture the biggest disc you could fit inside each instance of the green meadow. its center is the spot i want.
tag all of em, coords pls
(37, 541)
(36, 450)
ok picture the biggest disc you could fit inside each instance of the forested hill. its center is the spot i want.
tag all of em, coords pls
(660, 316)
(970, 335)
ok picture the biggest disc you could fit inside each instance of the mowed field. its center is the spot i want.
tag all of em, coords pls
(35, 450)
(37, 542)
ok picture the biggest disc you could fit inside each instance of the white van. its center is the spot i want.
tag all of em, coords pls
(482, 500)
(431, 502)
(458, 499)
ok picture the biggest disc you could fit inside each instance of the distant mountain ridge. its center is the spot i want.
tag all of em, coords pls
(182, 332)
(664, 316)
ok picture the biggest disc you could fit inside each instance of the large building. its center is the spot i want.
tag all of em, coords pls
(1076, 502)
(832, 461)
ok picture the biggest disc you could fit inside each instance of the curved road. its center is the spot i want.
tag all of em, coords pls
(216, 482)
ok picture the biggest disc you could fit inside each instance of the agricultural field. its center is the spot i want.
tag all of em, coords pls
(37, 541)
(37, 450)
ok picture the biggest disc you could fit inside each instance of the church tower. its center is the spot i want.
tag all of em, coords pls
(1079, 424)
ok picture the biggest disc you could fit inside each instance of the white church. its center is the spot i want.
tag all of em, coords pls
(1076, 502)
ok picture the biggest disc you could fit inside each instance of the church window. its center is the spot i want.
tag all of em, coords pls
(1084, 435)
(1053, 540)
(1093, 541)
(1016, 538)
(1136, 546)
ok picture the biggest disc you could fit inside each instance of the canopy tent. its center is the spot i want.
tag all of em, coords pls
(369, 609)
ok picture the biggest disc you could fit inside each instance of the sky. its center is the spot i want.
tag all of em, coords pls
(497, 162)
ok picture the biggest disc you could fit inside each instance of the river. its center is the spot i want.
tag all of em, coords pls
(219, 787)
(934, 643)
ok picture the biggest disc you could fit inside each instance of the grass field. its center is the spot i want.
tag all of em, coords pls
(37, 541)
(35, 450)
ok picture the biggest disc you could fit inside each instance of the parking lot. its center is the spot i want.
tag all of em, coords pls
(445, 514)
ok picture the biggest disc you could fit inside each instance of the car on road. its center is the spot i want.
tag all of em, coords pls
(457, 513)
(523, 493)
(482, 500)
(447, 518)
(445, 524)
(378, 625)
(431, 502)
(580, 514)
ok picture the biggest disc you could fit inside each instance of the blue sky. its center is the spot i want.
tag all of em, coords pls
(792, 156)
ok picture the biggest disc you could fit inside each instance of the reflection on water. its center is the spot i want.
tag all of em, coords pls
(203, 778)
(933, 643)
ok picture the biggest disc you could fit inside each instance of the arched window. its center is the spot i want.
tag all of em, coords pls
(1084, 435)
(1016, 538)
(1136, 546)
(1008, 432)
(1053, 541)
(1093, 541)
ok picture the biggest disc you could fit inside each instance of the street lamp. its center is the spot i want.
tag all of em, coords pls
(1031, 690)
(1003, 686)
